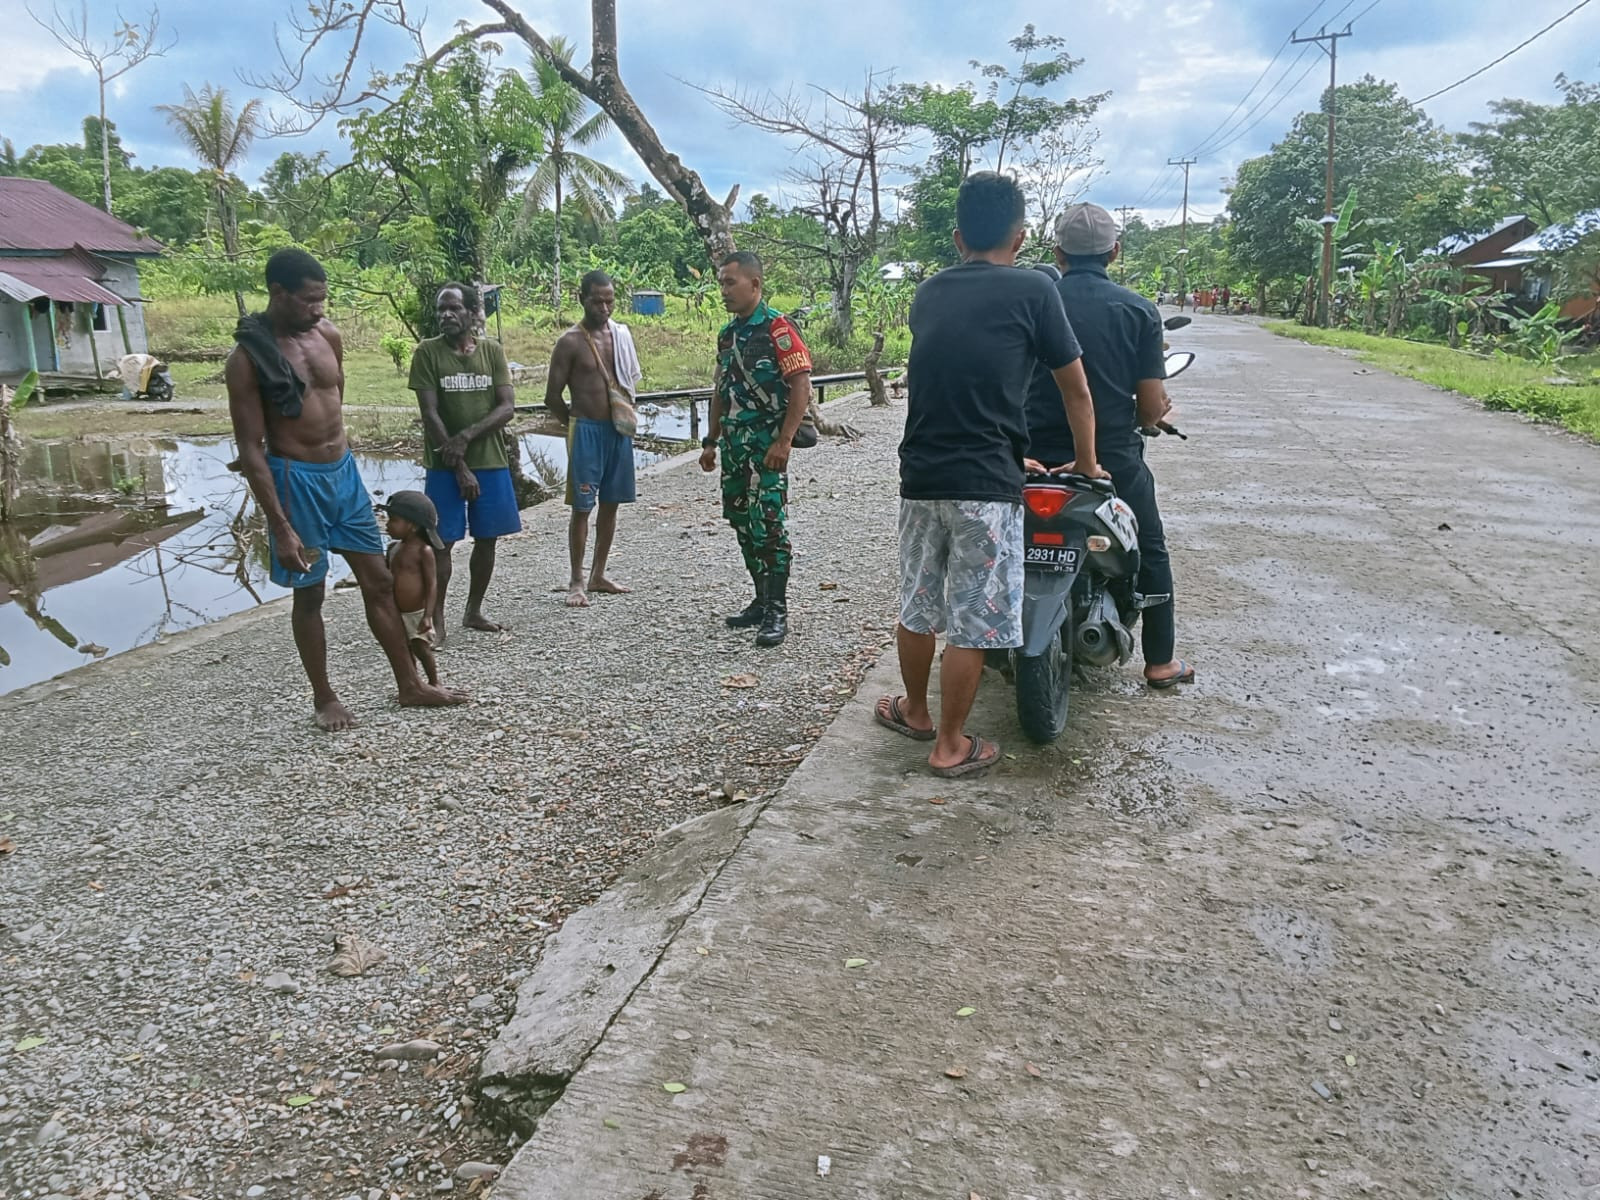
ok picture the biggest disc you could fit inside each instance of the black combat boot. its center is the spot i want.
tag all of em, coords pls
(775, 623)
(753, 613)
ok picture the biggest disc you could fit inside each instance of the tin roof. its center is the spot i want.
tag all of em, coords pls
(1457, 242)
(35, 215)
(61, 277)
(1557, 237)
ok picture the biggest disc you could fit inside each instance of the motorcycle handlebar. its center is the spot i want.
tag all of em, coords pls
(1161, 427)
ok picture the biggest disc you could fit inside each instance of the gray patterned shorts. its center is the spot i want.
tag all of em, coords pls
(961, 571)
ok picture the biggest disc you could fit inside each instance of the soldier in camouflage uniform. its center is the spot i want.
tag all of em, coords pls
(763, 387)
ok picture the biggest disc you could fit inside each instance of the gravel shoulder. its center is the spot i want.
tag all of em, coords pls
(186, 848)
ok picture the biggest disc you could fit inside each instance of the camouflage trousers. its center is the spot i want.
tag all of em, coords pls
(755, 499)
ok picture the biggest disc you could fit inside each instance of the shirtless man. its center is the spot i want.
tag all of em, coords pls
(599, 459)
(286, 397)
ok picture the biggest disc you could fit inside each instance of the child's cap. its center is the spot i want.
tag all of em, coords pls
(419, 510)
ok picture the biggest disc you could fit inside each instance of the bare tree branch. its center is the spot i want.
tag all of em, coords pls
(336, 93)
(847, 143)
(128, 46)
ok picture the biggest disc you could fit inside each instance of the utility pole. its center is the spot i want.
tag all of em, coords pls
(1183, 253)
(1122, 235)
(1331, 49)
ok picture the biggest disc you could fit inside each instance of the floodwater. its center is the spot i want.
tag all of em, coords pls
(122, 542)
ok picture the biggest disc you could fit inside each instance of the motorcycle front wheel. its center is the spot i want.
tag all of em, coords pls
(1044, 689)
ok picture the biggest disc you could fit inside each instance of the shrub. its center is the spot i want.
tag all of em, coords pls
(1531, 399)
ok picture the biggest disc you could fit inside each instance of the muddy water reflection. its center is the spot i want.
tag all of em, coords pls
(123, 542)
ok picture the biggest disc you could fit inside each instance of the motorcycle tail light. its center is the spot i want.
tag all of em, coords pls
(1045, 502)
(1098, 544)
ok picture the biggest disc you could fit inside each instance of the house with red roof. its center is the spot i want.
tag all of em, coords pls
(69, 283)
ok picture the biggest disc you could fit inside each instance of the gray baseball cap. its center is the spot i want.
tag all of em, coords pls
(1086, 229)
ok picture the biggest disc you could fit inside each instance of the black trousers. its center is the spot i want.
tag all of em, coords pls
(1137, 487)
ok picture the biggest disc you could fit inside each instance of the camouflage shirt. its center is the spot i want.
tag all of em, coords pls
(770, 353)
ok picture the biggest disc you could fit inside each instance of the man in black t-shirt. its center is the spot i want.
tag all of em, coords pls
(976, 331)
(1123, 357)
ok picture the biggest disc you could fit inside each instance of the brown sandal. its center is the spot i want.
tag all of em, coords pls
(981, 755)
(890, 715)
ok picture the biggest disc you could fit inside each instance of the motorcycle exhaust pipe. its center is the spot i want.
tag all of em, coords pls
(1096, 644)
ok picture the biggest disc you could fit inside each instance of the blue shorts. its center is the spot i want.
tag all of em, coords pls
(493, 514)
(599, 465)
(330, 510)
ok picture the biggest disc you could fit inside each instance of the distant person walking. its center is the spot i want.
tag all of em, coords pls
(285, 382)
(591, 360)
(463, 387)
(763, 388)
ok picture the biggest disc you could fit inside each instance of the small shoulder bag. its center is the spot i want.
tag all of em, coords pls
(624, 418)
(805, 436)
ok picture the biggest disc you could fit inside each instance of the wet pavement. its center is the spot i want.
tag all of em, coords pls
(1324, 924)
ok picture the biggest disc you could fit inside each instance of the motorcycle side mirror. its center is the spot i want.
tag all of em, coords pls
(1177, 322)
(1179, 362)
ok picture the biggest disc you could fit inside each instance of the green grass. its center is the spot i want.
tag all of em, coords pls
(1502, 384)
(41, 422)
(676, 349)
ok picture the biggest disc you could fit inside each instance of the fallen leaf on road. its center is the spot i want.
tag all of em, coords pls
(1034, 1071)
(965, 1012)
(612, 1123)
(299, 1101)
(1349, 1060)
(7, 846)
(853, 963)
(96, 885)
(27, 1043)
(936, 800)
(701, 950)
(353, 954)
(674, 1088)
(827, 587)
(740, 681)
(956, 1072)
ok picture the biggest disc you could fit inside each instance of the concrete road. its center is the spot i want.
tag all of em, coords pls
(1322, 925)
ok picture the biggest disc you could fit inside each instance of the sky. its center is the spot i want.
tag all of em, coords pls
(1177, 71)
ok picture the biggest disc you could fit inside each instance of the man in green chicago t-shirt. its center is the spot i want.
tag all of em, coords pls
(463, 387)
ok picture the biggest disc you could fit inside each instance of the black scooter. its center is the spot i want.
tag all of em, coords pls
(1081, 558)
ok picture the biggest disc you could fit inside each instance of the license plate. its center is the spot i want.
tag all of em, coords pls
(1057, 558)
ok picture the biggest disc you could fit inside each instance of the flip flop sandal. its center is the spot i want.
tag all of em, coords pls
(895, 719)
(975, 761)
(1185, 675)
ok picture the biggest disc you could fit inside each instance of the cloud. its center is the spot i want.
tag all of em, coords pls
(1176, 69)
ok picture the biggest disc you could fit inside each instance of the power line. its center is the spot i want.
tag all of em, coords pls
(1506, 55)
(1250, 91)
(1155, 187)
(1293, 88)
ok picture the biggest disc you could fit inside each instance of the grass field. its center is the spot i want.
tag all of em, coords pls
(676, 350)
(1503, 384)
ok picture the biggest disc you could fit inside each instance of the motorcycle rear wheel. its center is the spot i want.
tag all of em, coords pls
(1044, 689)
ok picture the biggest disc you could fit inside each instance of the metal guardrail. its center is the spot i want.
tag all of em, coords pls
(819, 383)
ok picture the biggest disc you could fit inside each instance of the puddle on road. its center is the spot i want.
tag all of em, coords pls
(122, 542)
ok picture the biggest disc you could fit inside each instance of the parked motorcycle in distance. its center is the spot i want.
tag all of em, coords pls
(144, 377)
(1081, 560)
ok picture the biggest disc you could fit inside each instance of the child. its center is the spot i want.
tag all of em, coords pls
(414, 524)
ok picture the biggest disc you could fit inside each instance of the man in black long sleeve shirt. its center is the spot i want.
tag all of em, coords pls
(1121, 335)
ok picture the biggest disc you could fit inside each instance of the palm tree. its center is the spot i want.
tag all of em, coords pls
(219, 138)
(565, 175)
